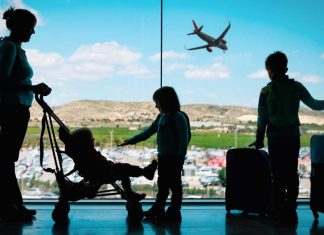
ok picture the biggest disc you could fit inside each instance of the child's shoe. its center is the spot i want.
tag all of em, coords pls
(149, 170)
(154, 214)
(172, 216)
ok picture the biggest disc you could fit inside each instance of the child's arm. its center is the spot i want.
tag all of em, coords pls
(147, 133)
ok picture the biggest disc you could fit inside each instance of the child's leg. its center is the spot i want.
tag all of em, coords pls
(131, 195)
(122, 170)
(176, 185)
(163, 184)
(126, 184)
(125, 170)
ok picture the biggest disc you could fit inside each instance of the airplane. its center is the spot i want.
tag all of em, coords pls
(212, 42)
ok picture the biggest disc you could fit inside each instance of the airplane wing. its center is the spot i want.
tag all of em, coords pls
(224, 33)
(196, 48)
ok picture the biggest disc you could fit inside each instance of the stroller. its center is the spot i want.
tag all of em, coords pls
(74, 191)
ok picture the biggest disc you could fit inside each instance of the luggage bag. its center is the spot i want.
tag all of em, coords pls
(317, 175)
(248, 181)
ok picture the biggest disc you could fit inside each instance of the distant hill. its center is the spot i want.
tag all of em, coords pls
(95, 113)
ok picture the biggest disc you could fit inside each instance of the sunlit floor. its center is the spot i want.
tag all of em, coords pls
(197, 219)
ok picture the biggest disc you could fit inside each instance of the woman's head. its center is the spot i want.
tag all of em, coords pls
(166, 100)
(20, 22)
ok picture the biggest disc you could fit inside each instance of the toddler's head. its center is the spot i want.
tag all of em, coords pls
(82, 138)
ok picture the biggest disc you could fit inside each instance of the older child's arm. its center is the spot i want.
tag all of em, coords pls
(147, 133)
(309, 100)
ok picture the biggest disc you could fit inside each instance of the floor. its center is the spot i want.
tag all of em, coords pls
(198, 219)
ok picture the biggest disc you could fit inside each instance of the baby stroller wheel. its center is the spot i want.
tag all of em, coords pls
(60, 212)
(135, 212)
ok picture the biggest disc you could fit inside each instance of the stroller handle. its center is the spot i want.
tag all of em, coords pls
(47, 109)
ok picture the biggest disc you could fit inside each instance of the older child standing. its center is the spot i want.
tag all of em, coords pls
(171, 127)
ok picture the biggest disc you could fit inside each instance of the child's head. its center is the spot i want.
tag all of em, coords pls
(166, 100)
(82, 138)
(276, 64)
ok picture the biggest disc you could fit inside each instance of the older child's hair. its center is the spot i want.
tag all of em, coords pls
(18, 18)
(277, 63)
(168, 99)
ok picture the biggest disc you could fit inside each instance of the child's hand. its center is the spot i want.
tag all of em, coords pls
(124, 143)
(257, 144)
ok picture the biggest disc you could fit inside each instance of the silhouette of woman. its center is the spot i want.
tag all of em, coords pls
(16, 95)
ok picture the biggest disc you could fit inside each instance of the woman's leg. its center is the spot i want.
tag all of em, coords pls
(13, 124)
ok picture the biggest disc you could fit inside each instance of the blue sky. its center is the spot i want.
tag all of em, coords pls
(109, 49)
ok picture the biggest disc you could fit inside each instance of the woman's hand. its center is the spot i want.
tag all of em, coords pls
(41, 89)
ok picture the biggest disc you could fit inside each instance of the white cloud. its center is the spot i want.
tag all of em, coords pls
(108, 52)
(211, 95)
(306, 78)
(322, 55)
(176, 66)
(92, 62)
(44, 60)
(168, 55)
(136, 70)
(311, 79)
(259, 74)
(215, 72)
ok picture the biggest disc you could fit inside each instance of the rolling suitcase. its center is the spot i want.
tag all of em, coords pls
(317, 175)
(248, 181)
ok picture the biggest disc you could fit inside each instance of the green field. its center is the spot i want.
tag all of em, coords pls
(109, 137)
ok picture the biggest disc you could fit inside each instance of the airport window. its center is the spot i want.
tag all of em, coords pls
(103, 62)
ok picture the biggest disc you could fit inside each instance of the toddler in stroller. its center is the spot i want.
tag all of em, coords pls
(96, 169)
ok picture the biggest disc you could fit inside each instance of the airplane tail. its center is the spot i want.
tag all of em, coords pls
(196, 28)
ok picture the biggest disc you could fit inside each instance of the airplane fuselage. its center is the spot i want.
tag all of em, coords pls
(212, 41)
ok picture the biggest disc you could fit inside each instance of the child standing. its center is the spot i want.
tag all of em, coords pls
(278, 120)
(172, 139)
